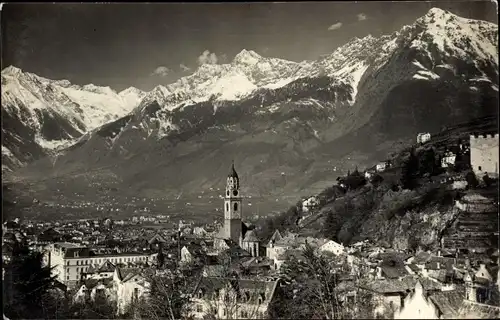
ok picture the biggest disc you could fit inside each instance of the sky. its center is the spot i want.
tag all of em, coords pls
(143, 45)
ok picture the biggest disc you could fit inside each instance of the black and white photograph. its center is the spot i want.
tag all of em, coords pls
(250, 160)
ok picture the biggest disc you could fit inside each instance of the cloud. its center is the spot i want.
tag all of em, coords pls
(362, 16)
(335, 26)
(161, 71)
(207, 57)
(184, 67)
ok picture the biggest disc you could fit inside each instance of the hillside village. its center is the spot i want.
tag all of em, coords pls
(246, 271)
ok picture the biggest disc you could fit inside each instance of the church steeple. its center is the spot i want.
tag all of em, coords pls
(232, 207)
(233, 176)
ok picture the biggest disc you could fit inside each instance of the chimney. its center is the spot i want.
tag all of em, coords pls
(438, 265)
(439, 253)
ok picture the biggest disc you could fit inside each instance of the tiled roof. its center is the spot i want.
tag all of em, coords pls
(215, 270)
(448, 302)
(276, 236)
(125, 273)
(209, 285)
(414, 267)
(251, 237)
(106, 266)
(157, 238)
(471, 310)
(430, 284)
(394, 272)
(389, 285)
(91, 283)
(422, 257)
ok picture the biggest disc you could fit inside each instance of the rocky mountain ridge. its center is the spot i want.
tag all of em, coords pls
(41, 115)
(293, 126)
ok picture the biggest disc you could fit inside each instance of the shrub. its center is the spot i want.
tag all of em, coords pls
(471, 179)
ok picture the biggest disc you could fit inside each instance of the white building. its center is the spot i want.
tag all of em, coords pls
(381, 166)
(130, 286)
(484, 154)
(70, 261)
(309, 203)
(225, 298)
(423, 137)
(92, 289)
(333, 247)
(448, 159)
(417, 306)
(124, 287)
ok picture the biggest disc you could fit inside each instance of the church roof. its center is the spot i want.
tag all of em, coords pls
(232, 173)
(157, 238)
(251, 236)
(276, 236)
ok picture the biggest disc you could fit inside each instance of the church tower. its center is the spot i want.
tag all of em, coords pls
(232, 207)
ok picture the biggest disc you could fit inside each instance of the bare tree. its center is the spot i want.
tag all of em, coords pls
(166, 298)
(311, 288)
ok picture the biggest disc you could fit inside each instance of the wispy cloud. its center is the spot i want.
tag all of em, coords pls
(161, 71)
(335, 26)
(184, 67)
(207, 57)
(362, 16)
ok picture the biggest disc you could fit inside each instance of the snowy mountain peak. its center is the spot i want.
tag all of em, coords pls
(97, 89)
(248, 57)
(437, 12)
(162, 90)
(11, 70)
(131, 90)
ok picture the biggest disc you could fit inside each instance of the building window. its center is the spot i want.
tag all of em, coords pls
(199, 308)
(479, 168)
(200, 294)
(136, 294)
(244, 314)
(235, 206)
(227, 206)
(67, 263)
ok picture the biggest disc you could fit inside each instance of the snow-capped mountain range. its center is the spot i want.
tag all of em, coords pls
(40, 115)
(443, 66)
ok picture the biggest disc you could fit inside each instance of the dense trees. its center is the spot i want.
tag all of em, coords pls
(409, 171)
(471, 179)
(168, 295)
(310, 292)
(352, 181)
(428, 163)
(29, 290)
(284, 221)
(98, 308)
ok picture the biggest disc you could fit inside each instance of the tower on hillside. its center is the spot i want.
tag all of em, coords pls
(232, 207)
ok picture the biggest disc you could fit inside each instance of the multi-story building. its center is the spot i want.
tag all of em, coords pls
(228, 298)
(70, 261)
(484, 154)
